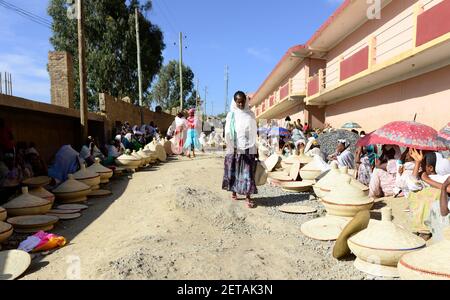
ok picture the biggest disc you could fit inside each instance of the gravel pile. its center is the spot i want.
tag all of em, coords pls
(328, 141)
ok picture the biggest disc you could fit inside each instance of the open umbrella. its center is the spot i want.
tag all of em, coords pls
(279, 131)
(329, 141)
(351, 125)
(444, 135)
(405, 134)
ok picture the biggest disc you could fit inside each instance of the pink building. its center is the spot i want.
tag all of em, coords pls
(366, 70)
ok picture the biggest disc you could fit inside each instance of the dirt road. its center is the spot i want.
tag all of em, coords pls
(173, 221)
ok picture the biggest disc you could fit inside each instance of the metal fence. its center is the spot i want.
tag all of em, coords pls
(6, 85)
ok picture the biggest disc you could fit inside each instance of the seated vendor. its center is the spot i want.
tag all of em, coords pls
(365, 163)
(382, 181)
(429, 207)
(33, 158)
(296, 134)
(89, 152)
(312, 148)
(343, 156)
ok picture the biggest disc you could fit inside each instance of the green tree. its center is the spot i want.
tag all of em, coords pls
(110, 47)
(166, 91)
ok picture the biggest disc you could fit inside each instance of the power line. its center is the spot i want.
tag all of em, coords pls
(26, 14)
(21, 10)
(169, 13)
(172, 28)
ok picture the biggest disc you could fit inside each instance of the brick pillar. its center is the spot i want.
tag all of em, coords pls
(60, 68)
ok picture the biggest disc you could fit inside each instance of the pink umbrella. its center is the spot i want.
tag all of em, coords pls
(405, 134)
(444, 134)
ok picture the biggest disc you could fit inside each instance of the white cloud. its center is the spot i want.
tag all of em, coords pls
(30, 77)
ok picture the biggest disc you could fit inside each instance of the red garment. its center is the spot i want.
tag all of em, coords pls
(305, 128)
(191, 122)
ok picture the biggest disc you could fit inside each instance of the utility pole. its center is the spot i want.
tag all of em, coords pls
(197, 100)
(206, 93)
(226, 88)
(138, 44)
(82, 73)
(181, 71)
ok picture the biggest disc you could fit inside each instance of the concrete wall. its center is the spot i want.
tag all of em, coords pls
(427, 95)
(52, 126)
(118, 111)
(48, 126)
(60, 68)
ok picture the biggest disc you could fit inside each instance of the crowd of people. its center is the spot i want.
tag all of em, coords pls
(18, 161)
(423, 177)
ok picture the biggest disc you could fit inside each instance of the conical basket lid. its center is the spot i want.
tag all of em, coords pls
(143, 153)
(161, 152)
(272, 162)
(136, 155)
(14, 264)
(124, 157)
(302, 158)
(70, 186)
(312, 166)
(345, 173)
(33, 221)
(168, 147)
(5, 227)
(37, 181)
(385, 235)
(25, 200)
(294, 172)
(98, 168)
(346, 193)
(433, 260)
(41, 193)
(324, 229)
(330, 179)
(152, 146)
(84, 173)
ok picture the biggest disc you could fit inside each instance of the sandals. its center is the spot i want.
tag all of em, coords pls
(234, 197)
(251, 204)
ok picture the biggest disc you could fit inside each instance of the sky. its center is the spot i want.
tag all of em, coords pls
(250, 36)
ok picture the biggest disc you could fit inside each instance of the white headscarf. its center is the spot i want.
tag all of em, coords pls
(442, 165)
(245, 128)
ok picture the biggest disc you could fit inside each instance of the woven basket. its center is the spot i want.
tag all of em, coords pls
(3, 214)
(346, 200)
(105, 173)
(14, 264)
(32, 221)
(27, 204)
(6, 230)
(431, 263)
(384, 243)
(72, 191)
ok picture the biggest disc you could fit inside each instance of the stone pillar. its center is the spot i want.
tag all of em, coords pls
(60, 68)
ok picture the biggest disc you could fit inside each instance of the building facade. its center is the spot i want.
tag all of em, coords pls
(366, 68)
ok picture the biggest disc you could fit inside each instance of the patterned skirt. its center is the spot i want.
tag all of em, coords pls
(239, 174)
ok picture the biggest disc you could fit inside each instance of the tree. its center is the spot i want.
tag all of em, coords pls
(166, 91)
(111, 52)
(221, 116)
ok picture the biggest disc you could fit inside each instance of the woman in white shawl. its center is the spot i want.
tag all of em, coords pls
(178, 139)
(240, 159)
